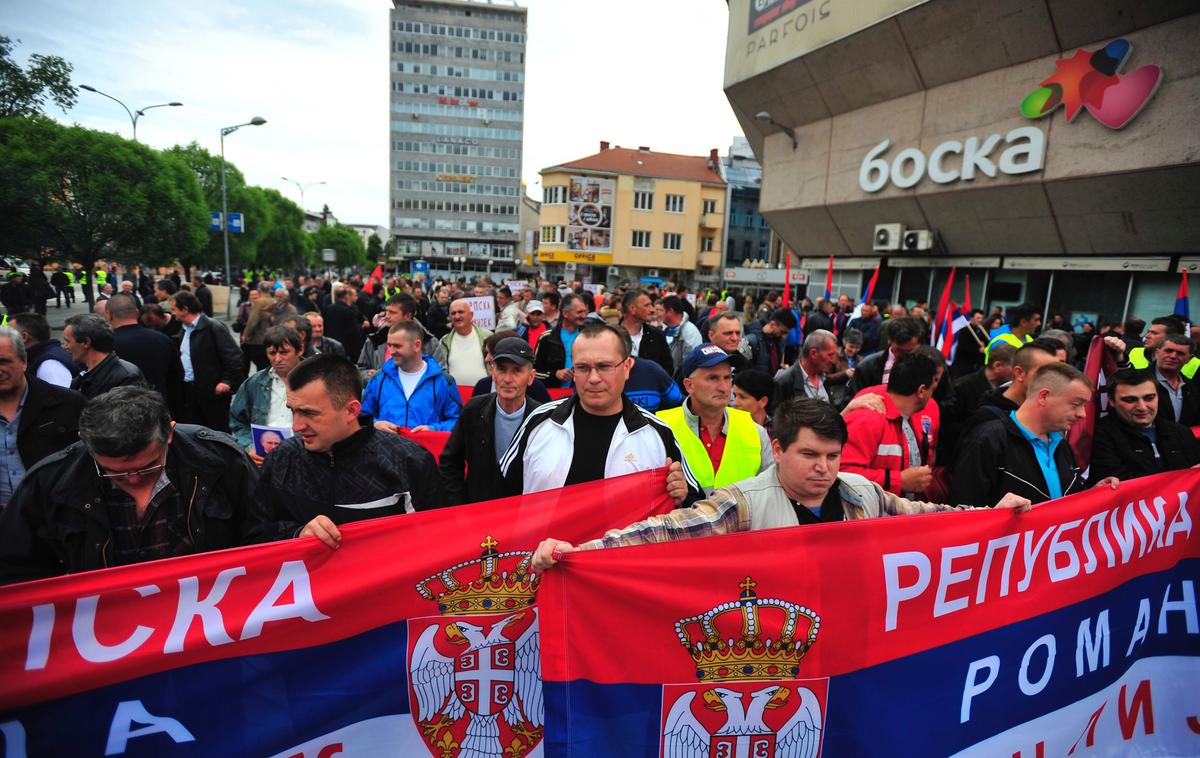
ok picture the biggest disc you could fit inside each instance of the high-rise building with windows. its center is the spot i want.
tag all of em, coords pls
(457, 73)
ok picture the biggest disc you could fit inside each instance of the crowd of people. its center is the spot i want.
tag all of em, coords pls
(137, 437)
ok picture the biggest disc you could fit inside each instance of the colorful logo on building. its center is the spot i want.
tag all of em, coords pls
(1090, 80)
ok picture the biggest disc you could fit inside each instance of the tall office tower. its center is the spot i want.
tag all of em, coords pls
(457, 110)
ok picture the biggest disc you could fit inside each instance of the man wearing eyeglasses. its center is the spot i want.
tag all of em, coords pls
(597, 432)
(136, 488)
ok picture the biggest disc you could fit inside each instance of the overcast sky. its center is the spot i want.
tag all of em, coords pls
(634, 72)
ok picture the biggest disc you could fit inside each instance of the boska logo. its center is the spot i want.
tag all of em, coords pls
(1090, 80)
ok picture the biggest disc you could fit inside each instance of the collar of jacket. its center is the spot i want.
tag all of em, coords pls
(108, 361)
(630, 414)
(432, 368)
(352, 444)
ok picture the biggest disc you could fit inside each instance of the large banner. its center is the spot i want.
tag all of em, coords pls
(1070, 630)
(589, 214)
(418, 636)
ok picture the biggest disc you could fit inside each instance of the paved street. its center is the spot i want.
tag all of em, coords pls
(58, 316)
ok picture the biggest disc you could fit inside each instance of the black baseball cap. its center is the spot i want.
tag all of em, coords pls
(513, 349)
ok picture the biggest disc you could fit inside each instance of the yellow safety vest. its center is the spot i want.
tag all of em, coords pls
(1007, 337)
(1138, 359)
(741, 459)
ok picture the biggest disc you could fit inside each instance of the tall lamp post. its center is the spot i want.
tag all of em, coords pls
(301, 187)
(133, 115)
(256, 121)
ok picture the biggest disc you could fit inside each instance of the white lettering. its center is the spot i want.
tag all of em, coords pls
(874, 166)
(38, 651)
(1031, 557)
(1125, 536)
(83, 630)
(1186, 605)
(897, 594)
(948, 577)
(1020, 158)
(975, 156)
(1093, 647)
(1180, 522)
(292, 574)
(1071, 570)
(974, 687)
(121, 731)
(1033, 688)
(1157, 520)
(1008, 541)
(191, 606)
(936, 172)
(1089, 564)
(917, 159)
(1141, 627)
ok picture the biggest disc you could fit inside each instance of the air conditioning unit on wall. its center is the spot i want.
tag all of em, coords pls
(887, 237)
(918, 239)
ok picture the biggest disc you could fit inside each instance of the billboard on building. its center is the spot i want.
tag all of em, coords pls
(589, 214)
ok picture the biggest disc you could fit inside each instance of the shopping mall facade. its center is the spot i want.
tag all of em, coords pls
(951, 117)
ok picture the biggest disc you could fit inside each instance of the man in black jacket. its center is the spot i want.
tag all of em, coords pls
(487, 426)
(1026, 452)
(901, 335)
(212, 365)
(336, 470)
(649, 342)
(36, 418)
(343, 322)
(1178, 396)
(89, 340)
(766, 340)
(1134, 439)
(204, 295)
(48, 360)
(150, 350)
(136, 488)
(553, 360)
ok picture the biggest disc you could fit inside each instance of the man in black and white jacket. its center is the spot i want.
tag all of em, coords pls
(597, 432)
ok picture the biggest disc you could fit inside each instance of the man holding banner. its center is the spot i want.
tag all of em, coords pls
(803, 487)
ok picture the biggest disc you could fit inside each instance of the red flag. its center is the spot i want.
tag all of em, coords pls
(376, 276)
(1100, 365)
(871, 286)
(966, 306)
(829, 280)
(943, 310)
(787, 278)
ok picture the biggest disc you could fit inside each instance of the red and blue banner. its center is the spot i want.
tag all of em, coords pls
(1070, 630)
(418, 636)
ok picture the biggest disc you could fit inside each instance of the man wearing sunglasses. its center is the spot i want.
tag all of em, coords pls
(136, 488)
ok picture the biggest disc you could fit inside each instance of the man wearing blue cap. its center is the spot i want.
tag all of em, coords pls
(722, 445)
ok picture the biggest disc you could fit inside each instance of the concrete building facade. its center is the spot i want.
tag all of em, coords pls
(633, 215)
(457, 93)
(943, 116)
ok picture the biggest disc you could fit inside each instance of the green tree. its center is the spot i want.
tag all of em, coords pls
(81, 196)
(285, 245)
(24, 92)
(343, 239)
(254, 208)
(374, 248)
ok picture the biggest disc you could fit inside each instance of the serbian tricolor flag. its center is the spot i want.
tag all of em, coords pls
(871, 286)
(1183, 308)
(418, 636)
(1098, 366)
(943, 311)
(1067, 630)
(829, 280)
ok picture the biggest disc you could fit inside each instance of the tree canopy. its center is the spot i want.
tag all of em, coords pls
(23, 92)
(81, 196)
(344, 240)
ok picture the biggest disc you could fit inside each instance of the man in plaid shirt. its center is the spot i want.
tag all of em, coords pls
(803, 487)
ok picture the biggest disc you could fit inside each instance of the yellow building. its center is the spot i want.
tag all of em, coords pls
(626, 214)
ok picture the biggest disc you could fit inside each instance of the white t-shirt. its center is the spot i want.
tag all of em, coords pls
(637, 341)
(466, 359)
(278, 414)
(410, 380)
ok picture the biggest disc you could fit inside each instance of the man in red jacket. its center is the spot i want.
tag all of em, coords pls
(894, 449)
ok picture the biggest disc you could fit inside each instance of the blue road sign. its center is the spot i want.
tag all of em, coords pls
(235, 223)
(421, 267)
(215, 221)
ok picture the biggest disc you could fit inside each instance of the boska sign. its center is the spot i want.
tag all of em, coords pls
(1024, 152)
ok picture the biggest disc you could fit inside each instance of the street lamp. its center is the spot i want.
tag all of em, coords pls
(133, 115)
(301, 187)
(256, 121)
(763, 117)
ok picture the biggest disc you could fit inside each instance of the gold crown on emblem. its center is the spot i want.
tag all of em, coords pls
(757, 654)
(492, 590)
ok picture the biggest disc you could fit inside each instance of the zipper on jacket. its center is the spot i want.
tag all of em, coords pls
(191, 501)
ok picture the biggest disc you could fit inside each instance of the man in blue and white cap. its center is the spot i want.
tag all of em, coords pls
(722, 445)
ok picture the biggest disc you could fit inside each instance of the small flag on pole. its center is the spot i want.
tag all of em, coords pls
(1182, 307)
(829, 280)
(787, 278)
(871, 286)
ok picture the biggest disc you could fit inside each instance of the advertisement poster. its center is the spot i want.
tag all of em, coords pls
(589, 214)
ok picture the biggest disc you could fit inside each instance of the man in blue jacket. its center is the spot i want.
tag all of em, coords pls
(411, 391)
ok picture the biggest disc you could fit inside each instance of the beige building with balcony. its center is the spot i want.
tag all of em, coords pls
(633, 215)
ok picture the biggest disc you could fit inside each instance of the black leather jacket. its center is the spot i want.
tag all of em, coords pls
(110, 373)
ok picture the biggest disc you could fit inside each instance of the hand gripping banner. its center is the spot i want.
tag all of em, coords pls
(1070, 630)
(418, 636)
